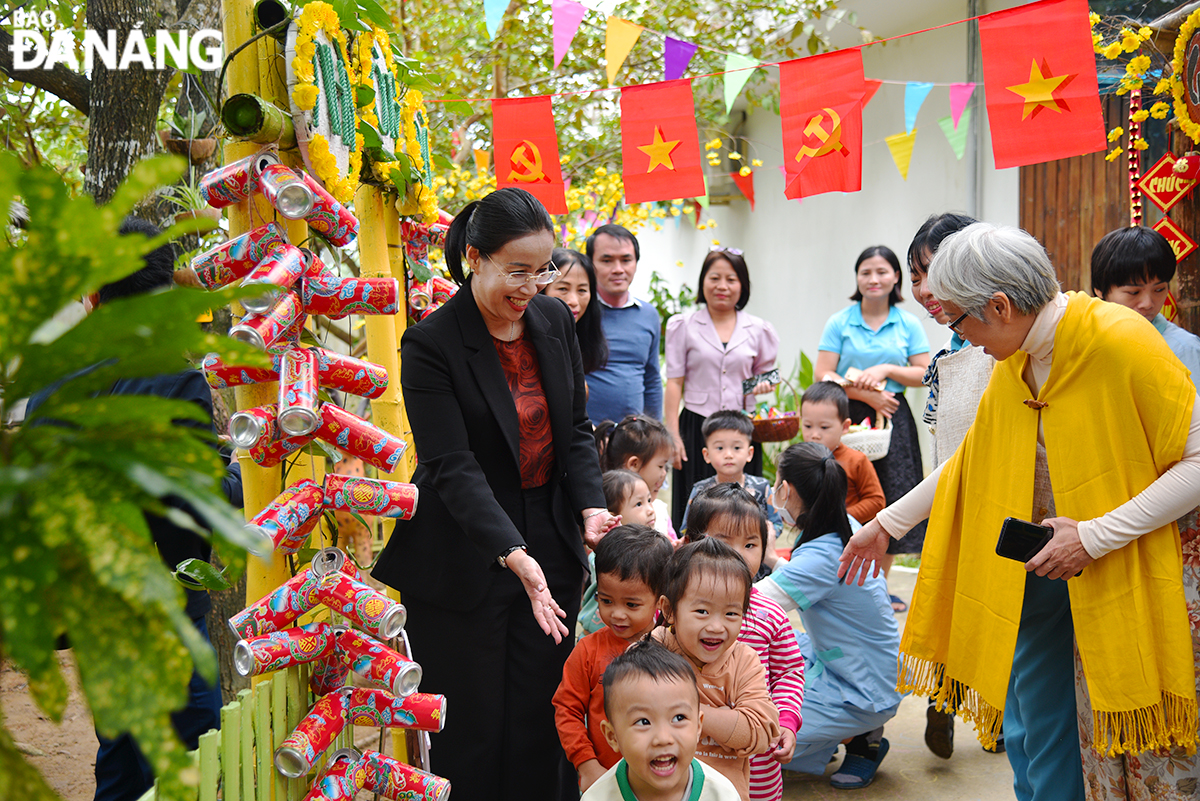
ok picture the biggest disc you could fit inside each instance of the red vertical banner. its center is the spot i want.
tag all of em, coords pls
(1039, 74)
(660, 146)
(821, 100)
(525, 147)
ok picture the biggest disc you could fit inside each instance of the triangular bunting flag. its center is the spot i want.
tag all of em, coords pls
(526, 146)
(737, 72)
(493, 15)
(901, 145)
(660, 147)
(677, 55)
(1039, 80)
(820, 103)
(915, 93)
(957, 136)
(483, 158)
(872, 88)
(702, 200)
(746, 184)
(567, 14)
(960, 96)
(619, 38)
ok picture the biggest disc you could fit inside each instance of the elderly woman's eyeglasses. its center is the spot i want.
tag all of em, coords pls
(957, 322)
(541, 277)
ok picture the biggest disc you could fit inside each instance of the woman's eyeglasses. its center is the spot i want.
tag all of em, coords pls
(957, 322)
(540, 278)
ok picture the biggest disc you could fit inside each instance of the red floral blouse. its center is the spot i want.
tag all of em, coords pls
(520, 363)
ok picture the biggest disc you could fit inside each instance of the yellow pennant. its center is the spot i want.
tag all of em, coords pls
(901, 145)
(619, 38)
(482, 159)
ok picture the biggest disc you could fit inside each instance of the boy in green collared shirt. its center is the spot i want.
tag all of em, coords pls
(653, 721)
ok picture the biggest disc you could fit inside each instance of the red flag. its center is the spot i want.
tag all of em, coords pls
(821, 100)
(746, 184)
(1039, 75)
(526, 150)
(660, 147)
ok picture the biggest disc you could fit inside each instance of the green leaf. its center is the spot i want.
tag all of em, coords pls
(441, 162)
(371, 136)
(374, 12)
(364, 95)
(420, 270)
(453, 104)
(202, 575)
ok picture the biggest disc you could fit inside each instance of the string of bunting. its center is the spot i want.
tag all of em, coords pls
(1040, 86)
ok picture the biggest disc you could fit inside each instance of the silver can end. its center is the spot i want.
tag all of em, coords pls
(298, 421)
(243, 658)
(244, 333)
(260, 304)
(328, 560)
(393, 621)
(263, 546)
(245, 429)
(295, 201)
(290, 763)
(407, 680)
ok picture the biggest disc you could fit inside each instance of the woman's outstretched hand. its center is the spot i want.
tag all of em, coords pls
(868, 546)
(597, 523)
(546, 610)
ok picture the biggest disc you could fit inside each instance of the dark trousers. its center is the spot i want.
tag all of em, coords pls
(499, 672)
(123, 774)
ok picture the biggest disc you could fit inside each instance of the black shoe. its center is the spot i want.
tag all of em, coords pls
(939, 732)
(998, 748)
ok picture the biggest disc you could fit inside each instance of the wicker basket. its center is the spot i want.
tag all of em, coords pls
(778, 429)
(873, 443)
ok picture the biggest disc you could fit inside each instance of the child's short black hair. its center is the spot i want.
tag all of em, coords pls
(828, 392)
(157, 268)
(634, 552)
(636, 435)
(649, 658)
(729, 503)
(727, 420)
(705, 554)
(617, 484)
(1131, 255)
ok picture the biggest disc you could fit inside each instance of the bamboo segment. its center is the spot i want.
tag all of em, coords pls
(263, 741)
(297, 708)
(231, 780)
(251, 118)
(247, 745)
(238, 26)
(210, 765)
(408, 463)
(279, 729)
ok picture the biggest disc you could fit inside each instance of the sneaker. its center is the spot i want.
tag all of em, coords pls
(858, 771)
(939, 732)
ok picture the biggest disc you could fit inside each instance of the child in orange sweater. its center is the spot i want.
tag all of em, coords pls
(705, 597)
(824, 418)
(630, 561)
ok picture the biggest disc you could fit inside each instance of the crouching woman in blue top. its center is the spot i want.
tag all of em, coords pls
(851, 640)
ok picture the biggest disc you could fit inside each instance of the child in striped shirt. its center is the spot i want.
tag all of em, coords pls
(731, 514)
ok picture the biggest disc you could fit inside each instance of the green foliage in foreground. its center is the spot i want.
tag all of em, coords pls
(76, 556)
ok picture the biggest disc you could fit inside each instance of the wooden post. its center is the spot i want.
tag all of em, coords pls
(1186, 215)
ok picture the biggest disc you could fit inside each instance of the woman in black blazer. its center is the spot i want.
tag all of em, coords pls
(508, 475)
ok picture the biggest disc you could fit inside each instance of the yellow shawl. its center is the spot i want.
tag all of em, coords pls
(1118, 407)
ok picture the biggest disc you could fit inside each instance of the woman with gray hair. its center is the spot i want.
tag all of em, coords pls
(1089, 427)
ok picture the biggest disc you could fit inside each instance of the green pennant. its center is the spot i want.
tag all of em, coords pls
(737, 72)
(957, 137)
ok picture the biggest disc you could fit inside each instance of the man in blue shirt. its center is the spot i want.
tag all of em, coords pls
(630, 383)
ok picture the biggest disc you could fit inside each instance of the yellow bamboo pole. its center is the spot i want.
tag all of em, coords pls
(395, 249)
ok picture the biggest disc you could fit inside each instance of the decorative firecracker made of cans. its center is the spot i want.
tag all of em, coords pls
(425, 296)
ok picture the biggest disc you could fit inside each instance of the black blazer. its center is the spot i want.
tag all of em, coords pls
(465, 428)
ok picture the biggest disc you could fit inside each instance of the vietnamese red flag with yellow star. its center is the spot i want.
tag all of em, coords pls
(820, 103)
(660, 147)
(525, 149)
(1039, 74)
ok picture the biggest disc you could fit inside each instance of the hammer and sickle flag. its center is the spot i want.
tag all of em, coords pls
(525, 147)
(660, 146)
(821, 100)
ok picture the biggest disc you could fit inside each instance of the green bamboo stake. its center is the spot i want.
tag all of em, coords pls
(231, 723)
(246, 736)
(210, 765)
(279, 728)
(264, 741)
(253, 119)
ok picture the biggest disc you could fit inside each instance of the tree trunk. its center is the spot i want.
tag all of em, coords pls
(226, 604)
(123, 103)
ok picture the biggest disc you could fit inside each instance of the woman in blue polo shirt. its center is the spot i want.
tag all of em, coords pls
(889, 346)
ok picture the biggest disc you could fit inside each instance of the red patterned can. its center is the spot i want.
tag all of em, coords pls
(285, 191)
(277, 272)
(393, 779)
(328, 674)
(315, 268)
(420, 711)
(357, 437)
(290, 337)
(279, 608)
(348, 374)
(274, 452)
(442, 289)
(298, 414)
(288, 519)
(280, 649)
(329, 218)
(344, 776)
(249, 428)
(420, 295)
(373, 660)
(264, 330)
(238, 257)
(222, 376)
(234, 182)
(333, 560)
(312, 735)
(369, 609)
(369, 496)
(339, 297)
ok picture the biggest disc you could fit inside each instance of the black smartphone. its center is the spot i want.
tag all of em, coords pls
(1021, 540)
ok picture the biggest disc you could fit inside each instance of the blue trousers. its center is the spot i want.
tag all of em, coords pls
(122, 772)
(1041, 729)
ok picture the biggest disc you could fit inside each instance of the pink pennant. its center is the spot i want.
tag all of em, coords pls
(960, 95)
(567, 15)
